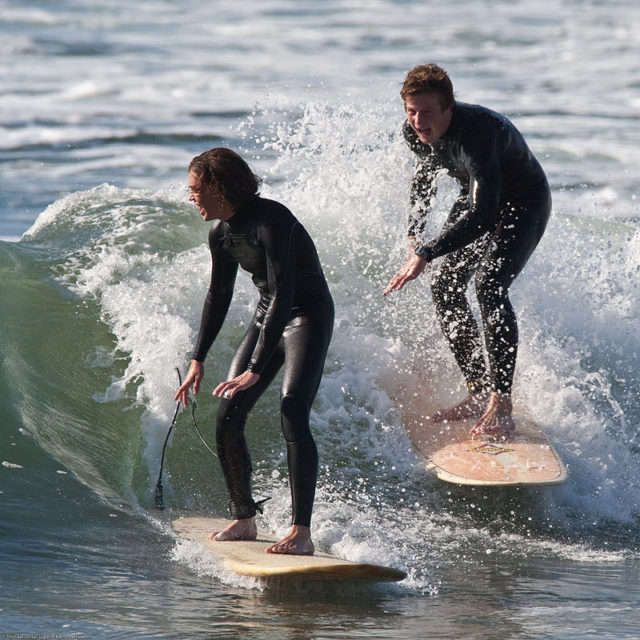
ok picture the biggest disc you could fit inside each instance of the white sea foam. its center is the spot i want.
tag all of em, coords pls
(204, 564)
(11, 465)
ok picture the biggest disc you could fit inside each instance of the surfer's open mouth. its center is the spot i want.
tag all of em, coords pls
(425, 135)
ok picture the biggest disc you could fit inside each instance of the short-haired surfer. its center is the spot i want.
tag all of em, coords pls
(291, 328)
(492, 229)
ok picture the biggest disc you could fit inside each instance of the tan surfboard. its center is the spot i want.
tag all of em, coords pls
(448, 450)
(248, 557)
(526, 458)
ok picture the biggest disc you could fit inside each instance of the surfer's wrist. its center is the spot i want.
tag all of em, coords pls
(424, 252)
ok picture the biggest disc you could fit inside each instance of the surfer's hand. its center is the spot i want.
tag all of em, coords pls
(193, 379)
(229, 388)
(412, 268)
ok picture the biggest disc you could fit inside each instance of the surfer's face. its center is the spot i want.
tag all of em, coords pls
(210, 202)
(427, 117)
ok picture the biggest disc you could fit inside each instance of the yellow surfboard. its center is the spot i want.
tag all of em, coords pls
(248, 557)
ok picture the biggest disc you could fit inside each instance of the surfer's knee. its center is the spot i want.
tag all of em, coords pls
(295, 412)
(449, 295)
(489, 290)
(493, 299)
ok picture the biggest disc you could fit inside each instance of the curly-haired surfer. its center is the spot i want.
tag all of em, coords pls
(292, 326)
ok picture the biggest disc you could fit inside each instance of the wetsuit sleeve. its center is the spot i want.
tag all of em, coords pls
(422, 188)
(278, 241)
(420, 197)
(218, 299)
(481, 214)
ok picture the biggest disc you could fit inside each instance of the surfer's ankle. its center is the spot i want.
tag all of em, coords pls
(479, 388)
(501, 402)
(497, 420)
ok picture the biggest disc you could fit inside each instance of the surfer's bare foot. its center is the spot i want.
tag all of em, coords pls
(472, 406)
(298, 542)
(244, 529)
(496, 421)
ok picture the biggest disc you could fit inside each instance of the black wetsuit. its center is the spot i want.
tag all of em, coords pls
(492, 229)
(292, 325)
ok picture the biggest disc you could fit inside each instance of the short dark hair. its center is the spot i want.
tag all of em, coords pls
(429, 78)
(228, 173)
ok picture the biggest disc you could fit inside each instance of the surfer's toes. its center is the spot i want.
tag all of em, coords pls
(225, 536)
(495, 432)
(220, 536)
(495, 435)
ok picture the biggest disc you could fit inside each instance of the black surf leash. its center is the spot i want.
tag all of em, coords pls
(194, 405)
(158, 491)
(159, 500)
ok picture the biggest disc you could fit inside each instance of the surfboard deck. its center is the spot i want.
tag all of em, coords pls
(526, 458)
(449, 451)
(248, 557)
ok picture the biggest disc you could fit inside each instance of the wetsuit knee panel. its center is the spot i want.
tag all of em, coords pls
(493, 299)
(295, 418)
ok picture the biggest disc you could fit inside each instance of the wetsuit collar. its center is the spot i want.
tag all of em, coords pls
(240, 215)
(449, 130)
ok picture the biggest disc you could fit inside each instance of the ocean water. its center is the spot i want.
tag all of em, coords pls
(103, 270)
